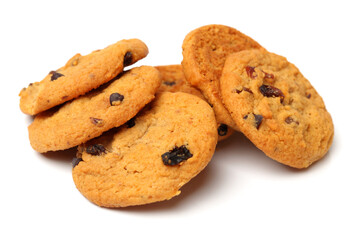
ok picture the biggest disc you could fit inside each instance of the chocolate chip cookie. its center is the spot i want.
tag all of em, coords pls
(204, 53)
(80, 75)
(276, 107)
(168, 143)
(173, 80)
(90, 115)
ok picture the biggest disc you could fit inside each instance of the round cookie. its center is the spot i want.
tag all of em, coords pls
(276, 107)
(204, 53)
(167, 145)
(80, 75)
(90, 115)
(173, 80)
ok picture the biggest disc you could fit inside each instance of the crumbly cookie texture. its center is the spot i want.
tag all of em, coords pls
(88, 116)
(276, 107)
(204, 53)
(173, 80)
(166, 145)
(80, 74)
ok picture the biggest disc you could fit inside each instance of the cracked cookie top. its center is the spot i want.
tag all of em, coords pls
(169, 142)
(276, 107)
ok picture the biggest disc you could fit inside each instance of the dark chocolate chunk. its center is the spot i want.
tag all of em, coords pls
(55, 75)
(130, 123)
(176, 156)
(222, 129)
(169, 83)
(76, 161)
(127, 59)
(116, 99)
(250, 72)
(97, 121)
(258, 120)
(96, 149)
(270, 91)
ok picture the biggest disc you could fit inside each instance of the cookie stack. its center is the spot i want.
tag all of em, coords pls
(145, 132)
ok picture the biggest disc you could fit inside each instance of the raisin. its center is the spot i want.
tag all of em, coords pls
(76, 161)
(176, 156)
(222, 129)
(308, 95)
(116, 99)
(96, 149)
(258, 120)
(127, 59)
(243, 89)
(55, 75)
(268, 75)
(130, 123)
(250, 72)
(245, 117)
(270, 91)
(289, 120)
(97, 121)
(168, 83)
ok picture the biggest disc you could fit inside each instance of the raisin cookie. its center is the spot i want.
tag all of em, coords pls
(276, 107)
(90, 115)
(204, 53)
(173, 80)
(167, 144)
(80, 75)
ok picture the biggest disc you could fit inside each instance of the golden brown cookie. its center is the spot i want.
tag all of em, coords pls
(90, 115)
(204, 53)
(276, 107)
(168, 144)
(80, 75)
(173, 80)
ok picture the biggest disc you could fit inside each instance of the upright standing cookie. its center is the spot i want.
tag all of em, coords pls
(80, 75)
(276, 107)
(168, 144)
(173, 80)
(204, 53)
(90, 115)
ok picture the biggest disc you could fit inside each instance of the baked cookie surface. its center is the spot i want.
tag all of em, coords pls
(86, 117)
(80, 74)
(173, 80)
(204, 53)
(168, 143)
(276, 107)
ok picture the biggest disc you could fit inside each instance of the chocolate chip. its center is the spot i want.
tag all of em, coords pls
(268, 75)
(76, 161)
(250, 72)
(169, 83)
(127, 59)
(222, 129)
(270, 91)
(55, 75)
(97, 121)
(258, 120)
(176, 156)
(96, 149)
(130, 123)
(289, 120)
(116, 99)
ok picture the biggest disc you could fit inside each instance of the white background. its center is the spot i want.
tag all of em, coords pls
(242, 194)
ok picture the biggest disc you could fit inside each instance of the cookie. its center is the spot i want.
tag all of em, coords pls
(204, 53)
(168, 144)
(90, 115)
(80, 75)
(173, 80)
(276, 107)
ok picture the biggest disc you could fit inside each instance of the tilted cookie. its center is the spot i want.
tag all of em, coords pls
(204, 53)
(173, 80)
(90, 115)
(80, 74)
(166, 145)
(276, 107)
